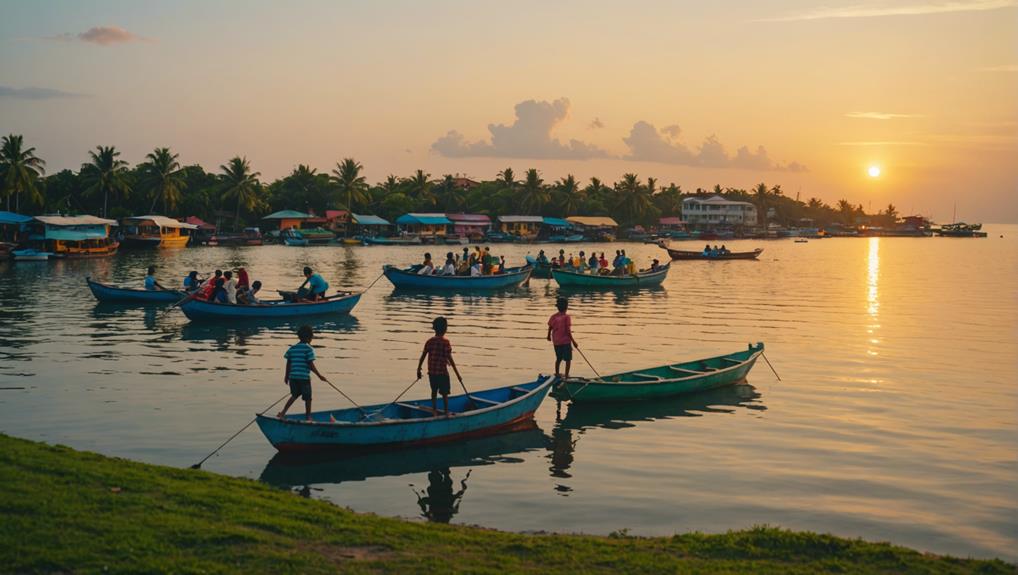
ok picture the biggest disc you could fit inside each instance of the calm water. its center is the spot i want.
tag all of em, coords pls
(896, 418)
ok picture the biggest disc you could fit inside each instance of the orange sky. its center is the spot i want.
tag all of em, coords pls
(927, 90)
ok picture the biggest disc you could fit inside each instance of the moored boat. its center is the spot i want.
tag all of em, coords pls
(156, 232)
(541, 270)
(405, 240)
(409, 279)
(199, 310)
(31, 255)
(108, 293)
(409, 423)
(73, 236)
(663, 381)
(689, 255)
(292, 237)
(572, 278)
(961, 230)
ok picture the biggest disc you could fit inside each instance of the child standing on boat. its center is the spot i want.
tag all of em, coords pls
(438, 350)
(300, 364)
(560, 334)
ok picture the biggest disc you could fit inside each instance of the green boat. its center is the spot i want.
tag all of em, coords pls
(575, 279)
(663, 381)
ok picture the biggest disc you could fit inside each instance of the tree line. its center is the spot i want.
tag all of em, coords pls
(236, 195)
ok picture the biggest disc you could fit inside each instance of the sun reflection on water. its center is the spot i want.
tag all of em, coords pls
(872, 292)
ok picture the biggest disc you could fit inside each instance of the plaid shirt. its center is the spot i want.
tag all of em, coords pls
(439, 354)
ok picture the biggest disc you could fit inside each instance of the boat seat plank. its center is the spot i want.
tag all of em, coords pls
(732, 361)
(427, 410)
(520, 389)
(684, 370)
(647, 375)
(483, 400)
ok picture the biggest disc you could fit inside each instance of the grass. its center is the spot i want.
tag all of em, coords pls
(68, 511)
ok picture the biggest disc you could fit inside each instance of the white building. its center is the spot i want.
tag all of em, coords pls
(715, 211)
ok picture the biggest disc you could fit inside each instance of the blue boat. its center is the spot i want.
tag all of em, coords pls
(201, 310)
(409, 279)
(107, 293)
(542, 271)
(294, 238)
(409, 423)
(574, 278)
(565, 238)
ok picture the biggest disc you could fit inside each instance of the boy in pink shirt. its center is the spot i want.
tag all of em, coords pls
(560, 334)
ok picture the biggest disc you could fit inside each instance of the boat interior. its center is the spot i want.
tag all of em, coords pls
(673, 371)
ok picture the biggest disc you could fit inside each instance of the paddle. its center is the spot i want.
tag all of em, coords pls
(588, 381)
(473, 404)
(346, 396)
(216, 450)
(770, 366)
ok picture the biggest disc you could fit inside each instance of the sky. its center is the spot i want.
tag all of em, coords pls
(805, 95)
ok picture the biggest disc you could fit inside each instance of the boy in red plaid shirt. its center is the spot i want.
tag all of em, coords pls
(438, 350)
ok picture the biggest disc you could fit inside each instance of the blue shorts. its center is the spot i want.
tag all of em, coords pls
(301, 387)
(564, 352)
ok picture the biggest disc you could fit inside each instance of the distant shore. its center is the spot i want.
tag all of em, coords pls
(70, 511)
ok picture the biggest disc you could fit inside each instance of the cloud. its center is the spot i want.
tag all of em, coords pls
(1004, 68)
(879, 115)
(647, 144)
(596, 124)
(881, 10)
(529, 136)
(884, 143)
(102, 35)
(36, 93)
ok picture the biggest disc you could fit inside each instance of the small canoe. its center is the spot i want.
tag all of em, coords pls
(663, 381)
(409, 423)
(569, 278)
(542, 271)
(107, 293)
(687, 255)
(409, 240)
(409, 279)
(30, 255)
(201, 310)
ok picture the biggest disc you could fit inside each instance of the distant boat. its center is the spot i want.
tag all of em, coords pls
(961, 230)
(572, 278)
(407, 240)
(30, 255)
(689, 255)
(663, 381)
(292, 237)
(108, 293)
(541, 270)
(408, 278)
(409, 423)
(201, 310)
(155, 232)
(565, 238)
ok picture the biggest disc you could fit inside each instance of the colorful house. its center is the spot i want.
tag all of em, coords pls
(203, 231)
(471, 226)
(524, 227)
(425, 225)
(13, 228)
(595, 227)
(73, 236)
(287, 219)
(310, 226)
(369, 225)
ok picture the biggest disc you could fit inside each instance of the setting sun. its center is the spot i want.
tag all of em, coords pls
(873, 171)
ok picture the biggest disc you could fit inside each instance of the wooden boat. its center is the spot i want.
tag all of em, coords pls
(408, 240)
(565, 238)
(156, 232)
(30, 255)
(542, 271)
(961, 230)
(663, 381)
(687, 255)
(571, 278)
(107, 293)
(73, 236)
(294, 238)
(409, 279)
(317, 236)
(409, 423)
(201, 310)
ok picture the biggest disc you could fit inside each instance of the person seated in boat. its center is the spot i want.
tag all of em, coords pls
(655, 266)
(428, 267)
(602, 262)
(487, 262)
(580, 263)
(723, 251)
(300, 364)
(501, 265)
(191, 282)
(205, 292)
(475, 270)
(559, 261)
(316, 287)
(541, 258)
(230, 285)
(219, 292)
(150, 280)
(243, 281)
(438, 351)
(593, 264)
(250, 296)
(706, 250)
(628, 263)
(449, 269)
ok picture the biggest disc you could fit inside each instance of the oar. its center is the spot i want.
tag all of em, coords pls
(770, 366)
(346, 396)
(470, 399)
(376, 412)
(572, 395)
(216, 450)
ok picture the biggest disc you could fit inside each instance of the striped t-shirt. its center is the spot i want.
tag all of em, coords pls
(300, 356)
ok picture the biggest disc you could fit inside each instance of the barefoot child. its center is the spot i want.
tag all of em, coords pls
(438, 350)
(300, 363)
(560, 334)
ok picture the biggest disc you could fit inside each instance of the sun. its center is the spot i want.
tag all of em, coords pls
(873, 171)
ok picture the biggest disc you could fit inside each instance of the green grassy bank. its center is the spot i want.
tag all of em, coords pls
(67, 511)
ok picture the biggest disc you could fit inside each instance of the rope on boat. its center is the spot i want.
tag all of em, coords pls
(198, 465)
(770, 366)
(372, 284)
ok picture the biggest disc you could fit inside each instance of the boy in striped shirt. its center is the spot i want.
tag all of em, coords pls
(300, 364)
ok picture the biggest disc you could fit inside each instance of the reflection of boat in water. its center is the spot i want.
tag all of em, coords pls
(298, 469)
(241, 329)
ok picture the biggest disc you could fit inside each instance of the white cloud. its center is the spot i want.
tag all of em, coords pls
(879, 115)
(35, 93)
(1003, 68)
(102, 35)
(647, 144)
(529, 136)
(881, 10)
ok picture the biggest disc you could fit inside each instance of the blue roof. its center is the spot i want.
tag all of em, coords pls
(11, 218)
(432, 219)
(76, 235)
(557, 222)
(363, 220)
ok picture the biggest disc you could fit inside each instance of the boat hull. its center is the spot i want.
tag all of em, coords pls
(405, 279)
(687, 255)
(201, 310)
(108, 293)
(389, 428)
(576, 280)
(637, 386)
(542, 271)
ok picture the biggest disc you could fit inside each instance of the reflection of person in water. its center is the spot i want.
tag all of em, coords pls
(440, 503)
(562, 445)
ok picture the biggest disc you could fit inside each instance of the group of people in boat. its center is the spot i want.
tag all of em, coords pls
(620, 265)
(472, 263)
(715, 251)
(235, 287)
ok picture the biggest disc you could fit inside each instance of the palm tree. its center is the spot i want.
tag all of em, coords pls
(507, 178)
(761, 196)
(350, 181)
(421, 188)
(631, 200)
(651, 186)
(390, 185)
(240, 183)
(568, 195)
(19, 171)
(847, 211)
(162, 177)
(105, 173)
(533, 195)
(453, 197)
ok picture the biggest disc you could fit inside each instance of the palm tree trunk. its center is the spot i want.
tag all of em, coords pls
(153, 207)
(349, 212)
(106, 194)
